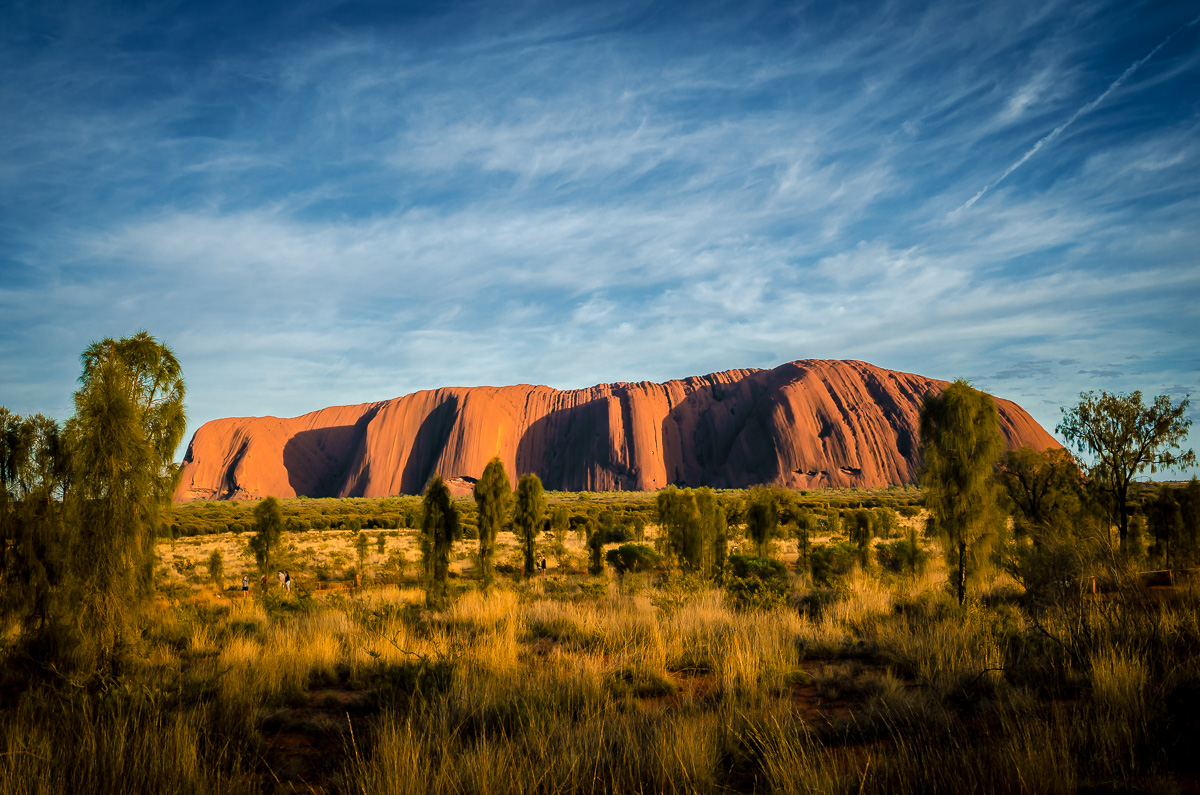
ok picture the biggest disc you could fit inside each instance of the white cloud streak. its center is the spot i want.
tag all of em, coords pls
(1082, 110)
(568, 202)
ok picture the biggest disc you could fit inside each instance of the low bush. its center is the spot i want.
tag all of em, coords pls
(632, 558)
(904, 555)
(755, 583)
(592, 590)
(832, 561)
(814, 603)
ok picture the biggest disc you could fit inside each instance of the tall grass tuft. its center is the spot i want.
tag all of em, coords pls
(124, 744)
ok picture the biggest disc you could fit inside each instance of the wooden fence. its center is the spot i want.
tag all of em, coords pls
(1163, 586)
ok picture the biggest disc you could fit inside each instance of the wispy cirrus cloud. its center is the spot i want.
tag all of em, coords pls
(1081, 111)
(353, 204)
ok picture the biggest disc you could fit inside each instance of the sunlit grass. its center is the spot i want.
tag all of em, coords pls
(572, 684)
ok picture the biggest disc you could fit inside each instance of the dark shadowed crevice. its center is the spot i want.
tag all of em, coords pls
(317, 460)
(569, 449)
(428, 445)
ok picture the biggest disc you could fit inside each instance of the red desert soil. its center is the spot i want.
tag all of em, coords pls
(804, 424)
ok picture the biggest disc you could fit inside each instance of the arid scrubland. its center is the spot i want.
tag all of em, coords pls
(985, 634)
(652, 682)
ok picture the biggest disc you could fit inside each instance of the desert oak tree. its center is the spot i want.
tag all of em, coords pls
(1127, 437)
(762, 518)
(268, 533)
(129, 419)
(493, 496)
(960, 442)
(528, 515)
(694, 527)
(34, 485)
(440, 528)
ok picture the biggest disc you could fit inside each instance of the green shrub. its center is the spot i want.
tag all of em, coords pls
(413, 680)
(902, 555)
(593, 590)
(640, 682)
(831, 561)
(216, 569)
(754, 583)
(814, 602)
(1044, 567)
(595, 547)
(632, 558)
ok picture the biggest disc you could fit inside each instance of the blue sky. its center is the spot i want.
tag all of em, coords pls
(329, 203)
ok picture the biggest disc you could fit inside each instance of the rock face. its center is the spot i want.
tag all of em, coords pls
(804, 424)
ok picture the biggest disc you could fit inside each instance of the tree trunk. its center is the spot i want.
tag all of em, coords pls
(962, 572)
(1122, 515)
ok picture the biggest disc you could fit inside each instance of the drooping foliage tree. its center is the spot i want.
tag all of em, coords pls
(596, 537)
(129, 419)
(1126, 437)
(157, 390)
(268, 533)
(34, 481)
(694, 528)
(528, 516)
(960, 442)
(714, 531)
(884, 522)
(1164, 521)
(361, 550)
(493, 498)
(762, 518)
(678, 521)
(632, 558)
(216, 569)
(859, 528)
(560, 523)
(80, 504)
(807, 525)
(440, 528)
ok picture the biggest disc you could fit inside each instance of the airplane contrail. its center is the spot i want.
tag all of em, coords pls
(1057, 131)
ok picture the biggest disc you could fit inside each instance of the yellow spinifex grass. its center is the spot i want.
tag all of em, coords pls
(1119, 680)
(567, 684)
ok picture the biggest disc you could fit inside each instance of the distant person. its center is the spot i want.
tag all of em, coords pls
(542, 566)
(262, 581)
(287, 581)
(281, 578)
(245, 584)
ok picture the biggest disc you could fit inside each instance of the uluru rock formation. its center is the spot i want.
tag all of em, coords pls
(803, 424)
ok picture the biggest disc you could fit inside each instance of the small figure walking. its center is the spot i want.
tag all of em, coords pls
(287, 581)
(542, 564)
(281, 578)
(245, 585)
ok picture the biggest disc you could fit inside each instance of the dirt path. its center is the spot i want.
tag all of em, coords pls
(307, 745)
